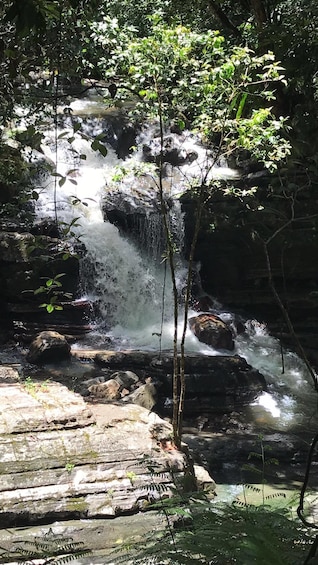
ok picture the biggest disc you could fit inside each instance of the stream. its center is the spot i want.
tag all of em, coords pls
(130, 286)
(127, 281)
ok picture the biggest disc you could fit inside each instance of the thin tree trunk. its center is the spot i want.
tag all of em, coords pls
(223, 18)
(259, 12)
(170, 256)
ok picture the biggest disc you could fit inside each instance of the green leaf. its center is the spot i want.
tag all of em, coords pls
(241, 106)
(62, 135)
(39, 290)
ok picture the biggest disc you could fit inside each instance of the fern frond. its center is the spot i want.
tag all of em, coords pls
(242, 504)
(71, 557)
(158, 487)
(253, 488)
(251, 468)
(54, 550)
(275, 495)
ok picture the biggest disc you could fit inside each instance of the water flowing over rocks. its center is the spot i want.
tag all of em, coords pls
(113, 127)
(169, 150)
(61, 458)
(136, 212)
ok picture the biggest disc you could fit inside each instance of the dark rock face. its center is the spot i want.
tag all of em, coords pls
(136, 212)
(48, 346)
(23, 268)
(226, 454)
(115, 129)
(213, 383)
(234, 267)
(210, 329)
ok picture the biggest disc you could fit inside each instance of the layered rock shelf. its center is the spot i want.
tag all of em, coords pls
(63, 459)
(213, 383)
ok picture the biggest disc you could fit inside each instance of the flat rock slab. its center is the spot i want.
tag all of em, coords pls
(62, 459)
(101, 537)
(34, 407)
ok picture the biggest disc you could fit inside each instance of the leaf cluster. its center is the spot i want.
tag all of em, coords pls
(199, 81)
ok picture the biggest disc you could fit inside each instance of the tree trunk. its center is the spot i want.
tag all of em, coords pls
(259, 12)
(222, 17)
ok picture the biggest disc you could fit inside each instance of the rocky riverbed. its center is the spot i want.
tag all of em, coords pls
(86, 444)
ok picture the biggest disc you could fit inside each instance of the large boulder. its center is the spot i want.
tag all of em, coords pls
(135, 209)
(48, 346)
(210, 329)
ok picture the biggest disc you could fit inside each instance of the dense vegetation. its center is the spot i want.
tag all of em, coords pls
(243, 74)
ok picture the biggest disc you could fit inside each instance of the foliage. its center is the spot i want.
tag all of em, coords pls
(52, 289)
(15, 184)
(197, 80)
(223, 534)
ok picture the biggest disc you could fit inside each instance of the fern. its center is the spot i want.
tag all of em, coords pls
(51, 548)
(223, 535)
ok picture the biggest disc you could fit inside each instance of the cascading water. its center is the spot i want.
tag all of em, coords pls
(132, 292)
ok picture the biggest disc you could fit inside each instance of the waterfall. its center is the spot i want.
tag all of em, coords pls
(128, 281)
(130, 287)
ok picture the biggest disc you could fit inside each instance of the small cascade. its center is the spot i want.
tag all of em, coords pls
(290, 399)
(124, 272)
(113, 204)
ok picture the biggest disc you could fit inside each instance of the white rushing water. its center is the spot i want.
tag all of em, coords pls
(132, 293)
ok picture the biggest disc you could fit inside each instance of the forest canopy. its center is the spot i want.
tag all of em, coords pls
(35, 35)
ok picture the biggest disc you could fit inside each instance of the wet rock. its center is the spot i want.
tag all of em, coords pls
(14, 246)
(115, 129)
(109, 390)
(170, 151)
(213, 383)
(135, 211)
(210, 329)
(47, 228)
(48, 346)
(204, 480)
(203, 303)
(226, 454)
(126, 379)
